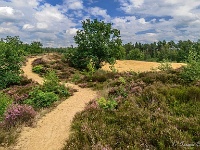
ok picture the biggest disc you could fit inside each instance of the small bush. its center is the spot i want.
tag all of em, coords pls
(51, 84)
(16, 114)
(38, 69)
(100, 76)
(76, 77)
(191, 72)
(107, 104)
(165, 66)
(40, 99)
(5, 101)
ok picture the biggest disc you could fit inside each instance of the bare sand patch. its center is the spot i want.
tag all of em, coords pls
(138, 66)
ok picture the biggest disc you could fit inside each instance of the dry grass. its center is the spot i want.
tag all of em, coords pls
(138, 66)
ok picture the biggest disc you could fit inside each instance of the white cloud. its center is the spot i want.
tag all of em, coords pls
(49, 14)
(56, 25)
(183, 15)
(96, 11)
(136, 3)
(7, 11)
(72, 31)
(10, 14)
(28, 26)
(74, 4)
(33, 21)
(42, 26)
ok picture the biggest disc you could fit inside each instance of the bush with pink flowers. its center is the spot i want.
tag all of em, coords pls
(17, 114)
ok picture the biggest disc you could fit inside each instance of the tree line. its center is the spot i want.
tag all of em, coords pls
(162, 50)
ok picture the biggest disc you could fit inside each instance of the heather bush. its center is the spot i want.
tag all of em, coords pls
(5, 101)
(153, 113)
(17, 114)
(40, 99)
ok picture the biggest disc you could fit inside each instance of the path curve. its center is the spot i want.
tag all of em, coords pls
(52, 130)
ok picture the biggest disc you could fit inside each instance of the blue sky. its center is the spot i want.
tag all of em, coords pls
(55, 22)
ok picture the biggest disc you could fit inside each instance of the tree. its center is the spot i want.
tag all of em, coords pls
(11, 53)
(135, 54)
(97, 42)
(35, 47)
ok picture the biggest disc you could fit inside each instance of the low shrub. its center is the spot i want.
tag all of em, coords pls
(51, 84)
(7, 137)
(40, 99)
(5, 101)
(100, 76)
(38, 69)
(165, 66)
(107, 104)
(191, 72)
(17, 114)
(149, 113)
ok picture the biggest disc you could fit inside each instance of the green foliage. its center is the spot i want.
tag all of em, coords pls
(165, 66)
(40, 99)
(5, 101)
(37, 69)
(122, 80)
(76, 77)
(97, 42)
(51, 84)
(191, 72)
(51, 81)
(107, 104)
(112, 67)
(90, 70)
(135, 54)
(35, 47)
(11, 54)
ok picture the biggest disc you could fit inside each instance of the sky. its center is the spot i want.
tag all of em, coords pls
(54, 22)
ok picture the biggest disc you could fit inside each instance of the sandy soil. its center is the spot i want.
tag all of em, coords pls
(53, 129)
(138, 66)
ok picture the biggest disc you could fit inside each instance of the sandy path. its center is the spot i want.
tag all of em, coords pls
(53, 129)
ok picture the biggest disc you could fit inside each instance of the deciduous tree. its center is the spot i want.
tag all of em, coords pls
(97, 42)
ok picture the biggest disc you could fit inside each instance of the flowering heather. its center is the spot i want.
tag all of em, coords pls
(19, 114)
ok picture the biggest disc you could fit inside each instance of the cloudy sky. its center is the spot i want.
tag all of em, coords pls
(55, 22)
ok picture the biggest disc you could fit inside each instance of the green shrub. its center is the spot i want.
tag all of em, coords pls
(51, 84)
(107, 104)
(191, 72)
(165, 66)
(37, 69)
(100, 76)
(40, 99)
(11, 56)
(5, 101)
(76, 77)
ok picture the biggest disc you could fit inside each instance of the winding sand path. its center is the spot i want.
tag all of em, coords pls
(53, 129)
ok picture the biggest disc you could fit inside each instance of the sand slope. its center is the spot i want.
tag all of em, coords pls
(138, 66)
